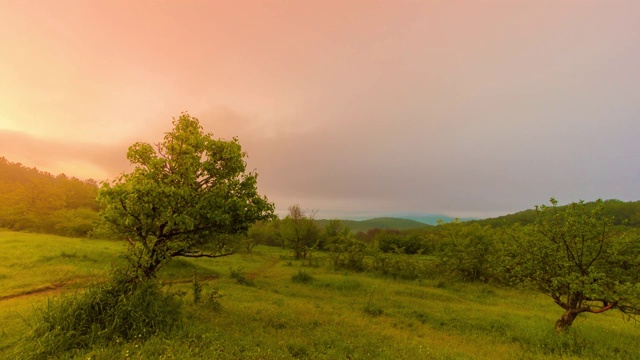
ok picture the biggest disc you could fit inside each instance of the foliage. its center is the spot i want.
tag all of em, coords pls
(575, 256)
(370, 307)
(384, 223)
(302, 277)
(621, 213)
(333, 229)
(399, 265)
(211, 297)
(185, 197)
(103, 313)
(74, 222)
(239, 276)
(466, 250)
(38, 201)
(325, 319)
(409, 241)
(368, 237)
(263, 233)
(345, 251)
(300, 231)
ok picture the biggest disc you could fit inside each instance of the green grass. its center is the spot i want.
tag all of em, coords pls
(33, 261)
(334, 315)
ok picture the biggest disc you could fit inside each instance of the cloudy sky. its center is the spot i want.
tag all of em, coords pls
(355, 108)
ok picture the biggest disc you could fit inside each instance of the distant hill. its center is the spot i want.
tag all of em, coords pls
(379, 223)
(432, 219)
(624, 213)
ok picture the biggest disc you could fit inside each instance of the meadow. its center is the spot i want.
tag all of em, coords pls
(265, 305)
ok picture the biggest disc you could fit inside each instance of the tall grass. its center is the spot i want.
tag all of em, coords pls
(117, 310)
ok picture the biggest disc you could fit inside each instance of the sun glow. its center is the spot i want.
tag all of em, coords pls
(9, 124)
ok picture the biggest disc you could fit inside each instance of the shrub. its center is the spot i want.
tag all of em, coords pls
(302, 277)
(196, 287)
(118, 309)
(370, 308)
(373, 310)
(213, 297)
(239, 276)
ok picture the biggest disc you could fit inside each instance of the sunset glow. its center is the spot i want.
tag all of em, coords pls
(467, 108)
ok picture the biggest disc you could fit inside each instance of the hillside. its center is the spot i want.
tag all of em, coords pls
(35, 200)
(432, 219)
(623, 212)
(378, 223)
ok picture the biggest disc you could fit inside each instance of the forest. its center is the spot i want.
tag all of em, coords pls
(190, 203)
(38, 201)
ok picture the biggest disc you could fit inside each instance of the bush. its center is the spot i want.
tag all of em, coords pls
(370, 308)
(238, 275)
(213, 297)
(399, 266)
(120, 309)
(301, 277)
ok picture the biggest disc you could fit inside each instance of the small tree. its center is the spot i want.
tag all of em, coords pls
(263, 233)
(300, 232)
(185, 197)
(576, 257)
(332, 232)
(344, 249)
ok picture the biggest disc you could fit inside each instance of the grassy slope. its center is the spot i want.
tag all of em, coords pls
(380, 223)
(324, 319)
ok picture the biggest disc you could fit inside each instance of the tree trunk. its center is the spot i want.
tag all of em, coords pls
(565, 320)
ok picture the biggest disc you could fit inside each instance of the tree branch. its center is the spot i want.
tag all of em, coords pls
(600, 310)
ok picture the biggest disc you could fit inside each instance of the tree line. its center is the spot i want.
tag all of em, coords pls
(38, 201)
(578, 255)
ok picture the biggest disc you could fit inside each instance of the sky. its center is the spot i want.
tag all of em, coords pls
(355, 108)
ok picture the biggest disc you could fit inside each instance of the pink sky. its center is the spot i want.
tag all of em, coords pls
(352, 107)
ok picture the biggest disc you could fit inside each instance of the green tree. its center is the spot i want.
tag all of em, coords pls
(300, 231)
(263, 233)
(576, 257)
(185, 197)
(465, 250)
(345, 251)
(333, 230)
(34, 200)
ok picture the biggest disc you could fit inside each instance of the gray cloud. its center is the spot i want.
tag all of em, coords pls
(80, 159)
(353, 108)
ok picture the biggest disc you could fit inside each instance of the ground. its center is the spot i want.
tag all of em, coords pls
(336, 315)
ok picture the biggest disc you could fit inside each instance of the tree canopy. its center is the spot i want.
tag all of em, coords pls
(578, 258)
(300, 231)
(34, 200)
(185, 197)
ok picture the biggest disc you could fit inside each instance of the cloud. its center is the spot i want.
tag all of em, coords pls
(80, 159)
(341, 106)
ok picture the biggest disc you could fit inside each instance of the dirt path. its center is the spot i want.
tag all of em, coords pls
(59, 287)
(263, 269)
(189, 280)
(52, 288)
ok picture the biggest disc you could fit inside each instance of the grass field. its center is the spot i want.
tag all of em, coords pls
(333, 315)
